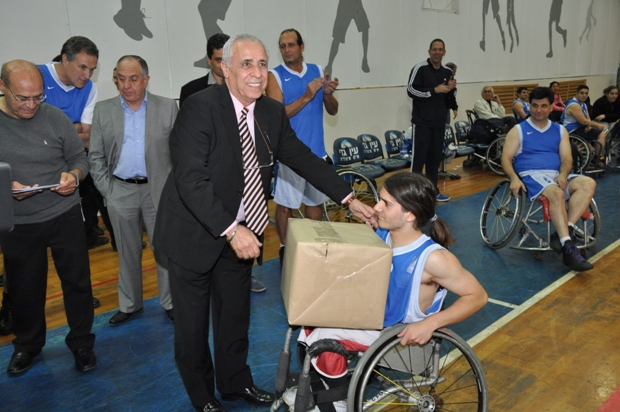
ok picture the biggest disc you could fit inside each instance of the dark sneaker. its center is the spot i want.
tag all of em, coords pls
(257, 286)
(571, 256)
(281, 255)
(554, 243)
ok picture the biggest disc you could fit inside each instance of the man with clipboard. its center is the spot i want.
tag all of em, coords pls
(43, 148)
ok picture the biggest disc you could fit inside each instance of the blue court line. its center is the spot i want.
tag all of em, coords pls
(136, 370)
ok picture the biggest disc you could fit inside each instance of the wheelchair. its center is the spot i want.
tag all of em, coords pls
(582, 153)
(504, 215)
(442, 375)
(365, 190)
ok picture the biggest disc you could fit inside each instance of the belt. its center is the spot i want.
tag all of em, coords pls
(135, 180)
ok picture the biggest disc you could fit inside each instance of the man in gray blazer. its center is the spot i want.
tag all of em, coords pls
(130, 161)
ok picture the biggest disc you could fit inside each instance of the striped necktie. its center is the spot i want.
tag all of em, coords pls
(254, 203)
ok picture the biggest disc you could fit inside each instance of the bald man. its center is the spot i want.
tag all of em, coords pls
(43, 149)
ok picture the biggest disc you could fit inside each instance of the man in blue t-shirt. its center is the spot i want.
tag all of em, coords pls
(537, 158)
(68, 86)
(303, 89)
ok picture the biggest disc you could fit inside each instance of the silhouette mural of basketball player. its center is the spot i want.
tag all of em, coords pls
(210, 12)
(485, 11)
(349, 10)
(554, 17)
(590, 21)
(510, 22)
(130, 18)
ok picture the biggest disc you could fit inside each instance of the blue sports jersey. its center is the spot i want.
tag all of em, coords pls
(540, 148)
(71, 102)
(308, 122)
(569, 121)
(405, 279)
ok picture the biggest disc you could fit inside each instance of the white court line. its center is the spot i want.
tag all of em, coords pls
(502, 303)
(534, 299)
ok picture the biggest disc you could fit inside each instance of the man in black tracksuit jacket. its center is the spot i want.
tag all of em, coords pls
(433, 90)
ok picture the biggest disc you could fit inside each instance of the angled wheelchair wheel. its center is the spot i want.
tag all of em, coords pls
(365, 191)
(582, 147)
(442, 375)
(588, 227)
(501, 215)
(494, 155)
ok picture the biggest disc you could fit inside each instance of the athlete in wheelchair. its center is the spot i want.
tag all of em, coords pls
(537, 159)
(413, 363)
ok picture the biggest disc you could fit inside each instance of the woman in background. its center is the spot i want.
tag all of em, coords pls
(558, 103)
(606, 111)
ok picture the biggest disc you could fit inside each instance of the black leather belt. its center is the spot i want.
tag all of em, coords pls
(135, 180)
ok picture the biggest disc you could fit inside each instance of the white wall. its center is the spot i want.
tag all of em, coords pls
(375, 110)
(399, 35)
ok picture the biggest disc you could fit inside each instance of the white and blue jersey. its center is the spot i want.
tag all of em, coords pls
(538, 158)
(403, 300)
(569, 121)
(526, 110)
(539, 149)
(78, 104)
(308, 122)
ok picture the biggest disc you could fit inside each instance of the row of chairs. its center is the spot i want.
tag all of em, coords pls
(460, 144)
(366, 156)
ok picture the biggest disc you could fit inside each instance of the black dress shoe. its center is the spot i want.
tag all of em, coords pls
(85, 359)
(99, 242)
(121, 317)
(97, 231)
(251, 395)
(214, 406)
(170, 314)
(21, 362)
(96, 303)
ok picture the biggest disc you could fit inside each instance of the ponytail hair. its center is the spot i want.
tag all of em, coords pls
(416, 194)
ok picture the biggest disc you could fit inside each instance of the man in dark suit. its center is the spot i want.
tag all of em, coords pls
(214, 57)
(202, 219)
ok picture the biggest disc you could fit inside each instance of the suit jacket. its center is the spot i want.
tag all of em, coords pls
(193, 87)
(106, 142)
(205, 188)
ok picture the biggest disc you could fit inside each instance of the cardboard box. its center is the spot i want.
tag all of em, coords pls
(335, 275)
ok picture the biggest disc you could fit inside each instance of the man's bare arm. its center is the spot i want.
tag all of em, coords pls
(575, 111)
(511, 145)
(83, 130)
(329, 100)
(273, 91)
(445, 270)
(566, 160)
(518, 106)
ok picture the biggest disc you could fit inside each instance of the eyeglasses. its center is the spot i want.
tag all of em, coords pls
(23, 99)
(268, 144)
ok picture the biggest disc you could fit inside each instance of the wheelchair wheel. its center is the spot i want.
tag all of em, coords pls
(501, 215)
(587, 228)
(612, 154)
(494, 155)
(585, 153)
(442, 375)
(365, 191)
